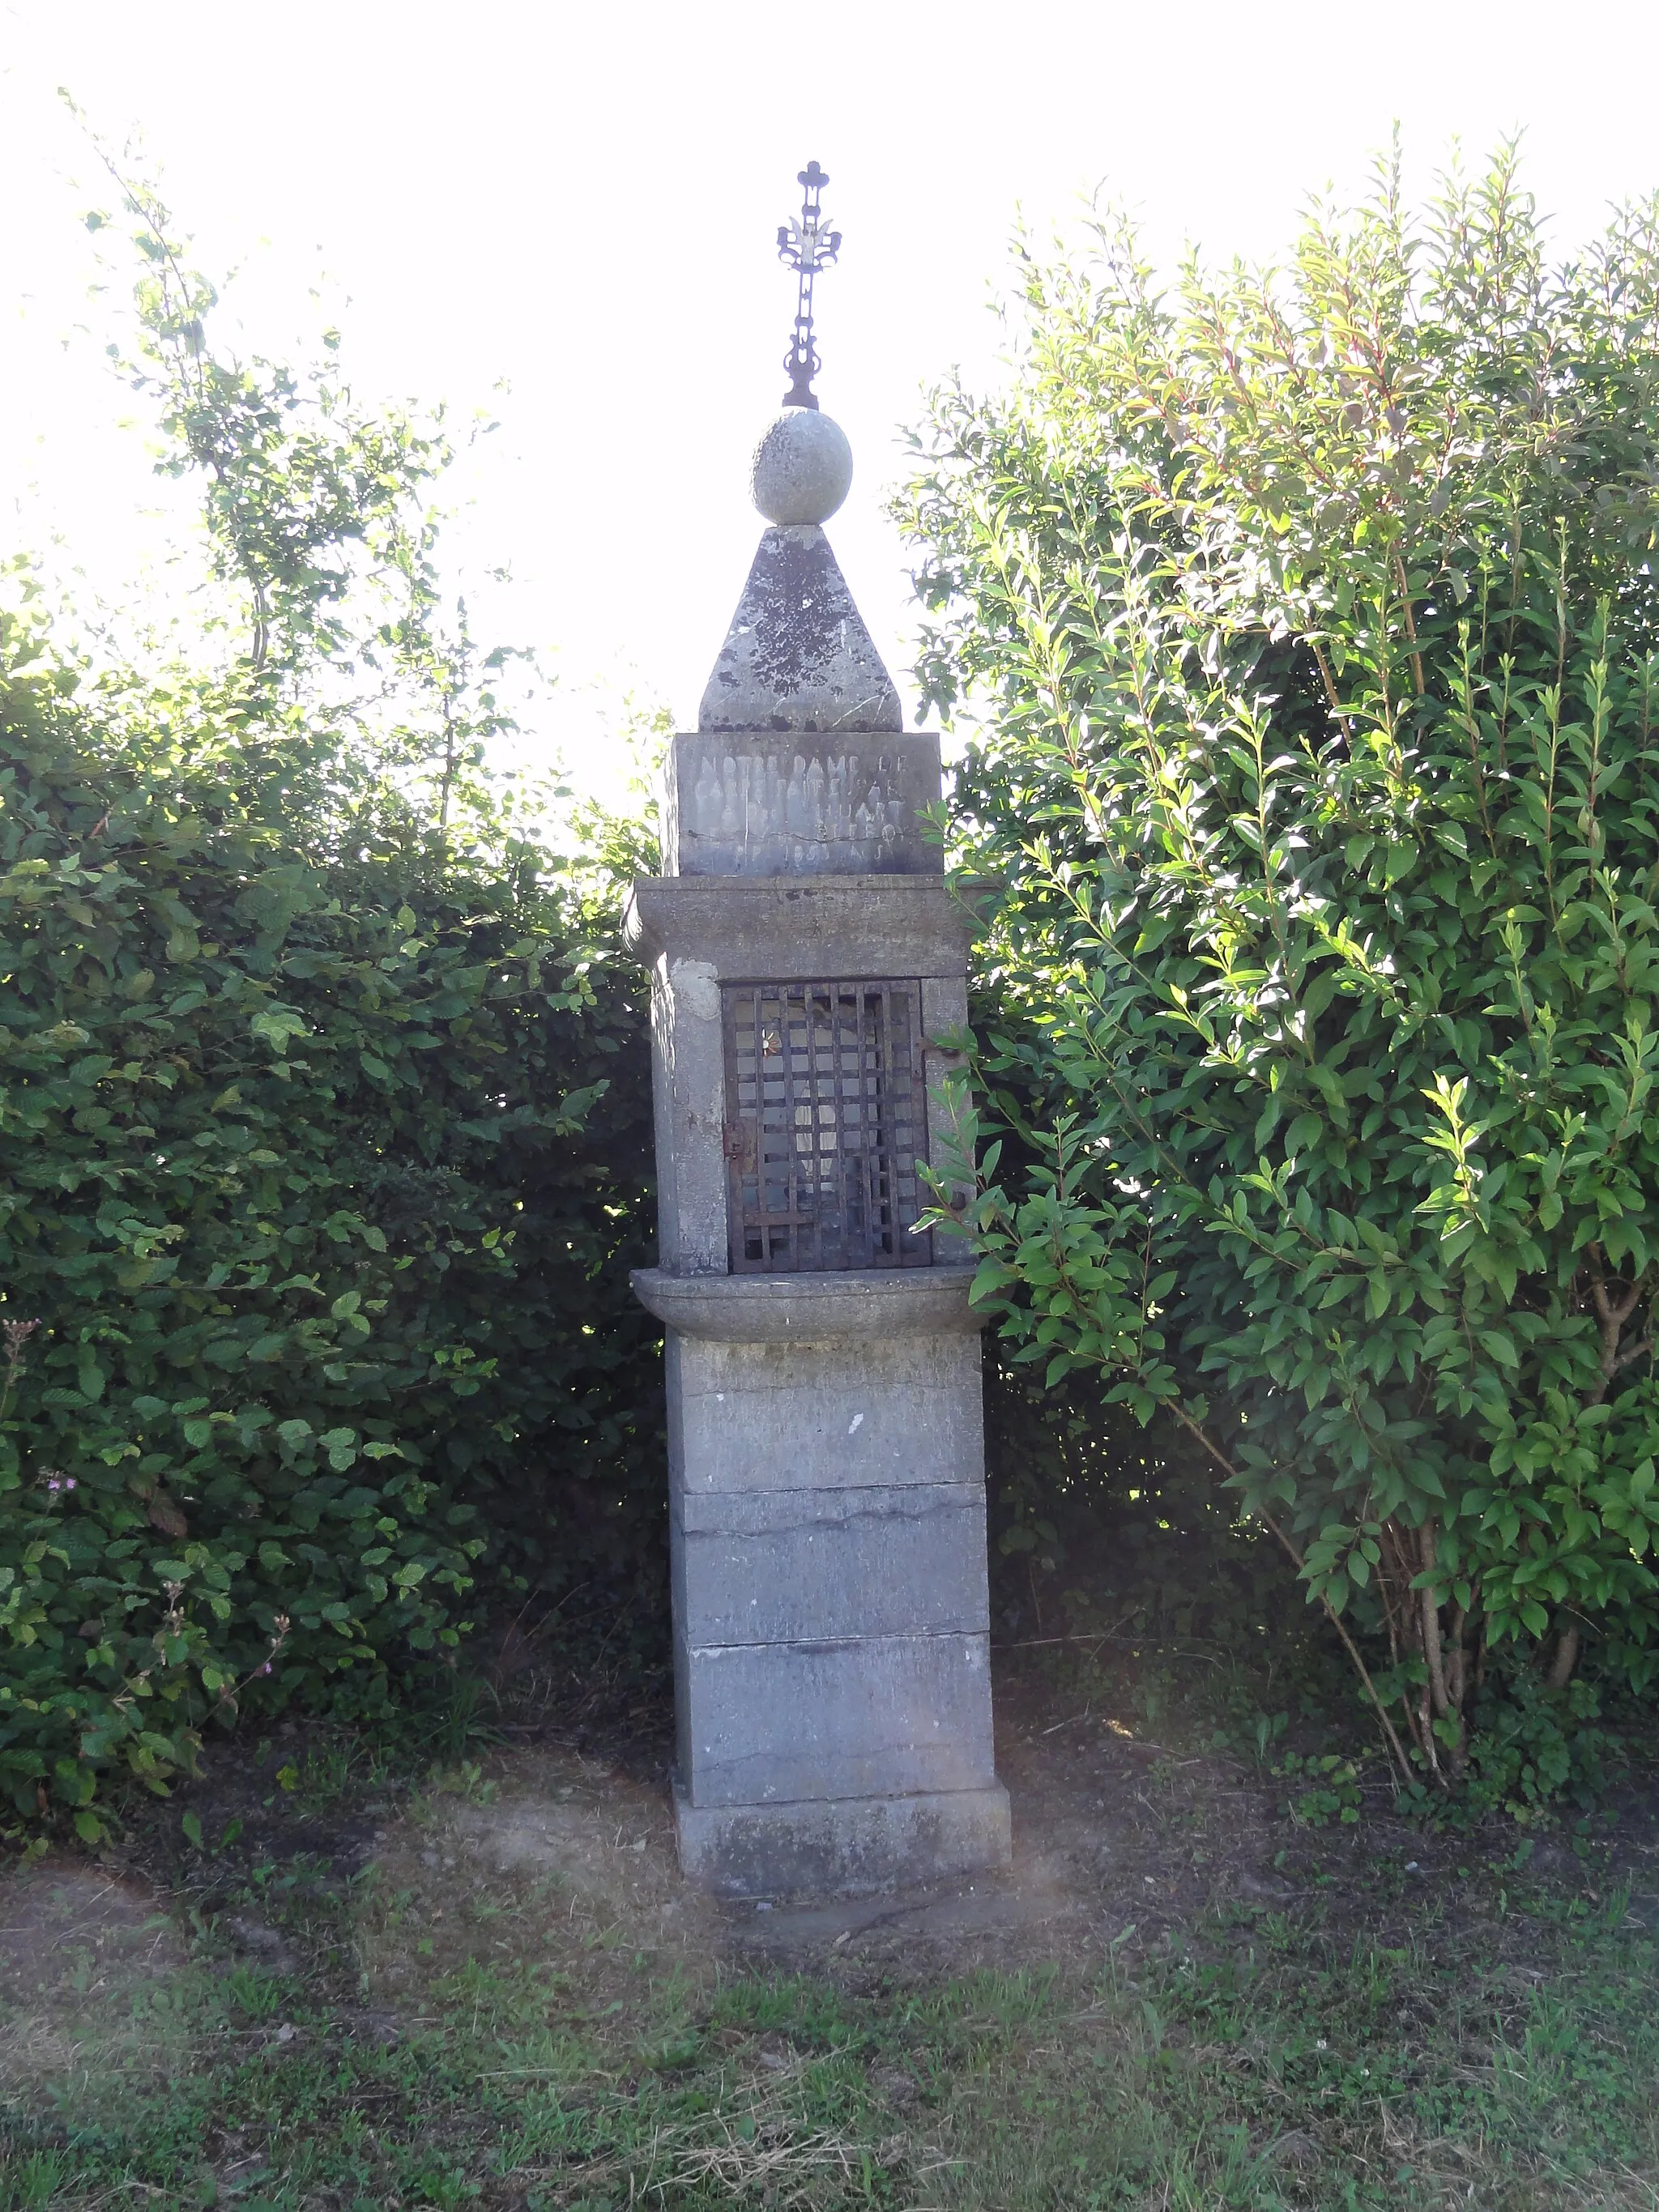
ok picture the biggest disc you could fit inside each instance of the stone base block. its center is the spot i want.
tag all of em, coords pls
(795, 1566)
(842, 1846)
(874, 1716)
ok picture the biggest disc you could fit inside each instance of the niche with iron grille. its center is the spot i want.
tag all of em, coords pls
(826, 1118)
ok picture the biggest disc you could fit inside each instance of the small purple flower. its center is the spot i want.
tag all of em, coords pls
(266, 1669)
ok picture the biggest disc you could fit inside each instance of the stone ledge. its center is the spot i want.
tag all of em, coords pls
(782, 929)
(812, 1309)
(845, 1847)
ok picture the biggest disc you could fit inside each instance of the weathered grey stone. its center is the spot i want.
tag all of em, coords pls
(688, 1106)
(838, 1415)
(747, 804)
(699, 932)
(785, 928)
(878, 1303)
(950, 1118)
(848, 1847)
(945, 1008)
(802, 468)
(798, 655)
(784, 1566)
(870, 1717)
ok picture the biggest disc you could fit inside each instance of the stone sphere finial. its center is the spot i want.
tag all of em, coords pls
(803, 467)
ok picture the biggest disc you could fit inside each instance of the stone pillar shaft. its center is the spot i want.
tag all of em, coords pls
(826, 1456)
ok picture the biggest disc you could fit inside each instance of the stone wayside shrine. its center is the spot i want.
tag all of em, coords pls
(826, 1457)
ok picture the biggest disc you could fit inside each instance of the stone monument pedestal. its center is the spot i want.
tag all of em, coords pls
(828, 1532)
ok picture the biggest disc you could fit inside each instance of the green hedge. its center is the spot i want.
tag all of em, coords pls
(1308, 617)
(323, 1173)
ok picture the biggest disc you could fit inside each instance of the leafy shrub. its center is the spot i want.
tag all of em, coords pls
(324, 1117)
(1327, 1788)
(1308, 623)
(1532, 1743)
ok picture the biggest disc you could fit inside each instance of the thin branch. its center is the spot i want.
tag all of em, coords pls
(1411, 627)
(1329, 682)
(1396, 1748)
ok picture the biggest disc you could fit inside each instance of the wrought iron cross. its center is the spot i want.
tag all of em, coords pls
(806, 246)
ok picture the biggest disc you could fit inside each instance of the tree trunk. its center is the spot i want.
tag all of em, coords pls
(1566, 1656)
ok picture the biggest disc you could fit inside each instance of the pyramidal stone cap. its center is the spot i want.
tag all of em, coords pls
(798, 655)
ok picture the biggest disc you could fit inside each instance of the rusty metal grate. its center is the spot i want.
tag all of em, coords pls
(826, 1117)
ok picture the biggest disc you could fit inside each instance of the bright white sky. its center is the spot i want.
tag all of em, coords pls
(581, 198)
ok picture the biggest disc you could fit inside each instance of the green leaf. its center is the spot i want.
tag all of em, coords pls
(277, 1025)
(1305, 1130)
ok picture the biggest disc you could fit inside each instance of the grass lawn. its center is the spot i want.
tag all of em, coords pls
(491, 1989)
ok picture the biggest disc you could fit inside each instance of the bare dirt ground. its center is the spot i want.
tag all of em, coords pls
(338, 1963)
(1113, 1832)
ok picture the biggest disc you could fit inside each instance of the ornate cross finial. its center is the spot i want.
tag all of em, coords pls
(806, 246)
